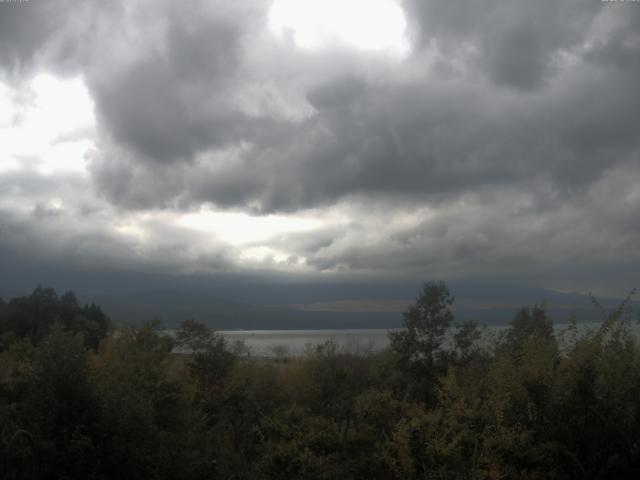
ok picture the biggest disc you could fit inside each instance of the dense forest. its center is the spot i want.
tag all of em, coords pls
(80, 400)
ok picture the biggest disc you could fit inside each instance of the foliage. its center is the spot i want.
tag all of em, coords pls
(425, 325)
(438, 404)
(34, 316)
(527, 325)
(193, 335)
(418, 347)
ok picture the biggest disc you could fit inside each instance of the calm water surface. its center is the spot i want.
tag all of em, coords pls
(271, 343)
(295, 342)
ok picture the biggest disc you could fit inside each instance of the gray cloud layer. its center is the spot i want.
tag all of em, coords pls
(527, 111)
(383, 132)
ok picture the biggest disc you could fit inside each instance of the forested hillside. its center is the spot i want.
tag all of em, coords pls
(79, 400)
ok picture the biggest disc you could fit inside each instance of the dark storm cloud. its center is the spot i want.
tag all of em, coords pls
(502, 231)
(438, 141)
(74, 239)
(178, 134)
(516, 43)
(174, 103)
(175, 131)
(58, 35)
(24, 29)
(514, 123)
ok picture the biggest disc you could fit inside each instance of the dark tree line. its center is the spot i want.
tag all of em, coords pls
(80, 401)
(32, 318)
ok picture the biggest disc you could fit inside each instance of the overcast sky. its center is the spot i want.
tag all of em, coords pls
(323, 139)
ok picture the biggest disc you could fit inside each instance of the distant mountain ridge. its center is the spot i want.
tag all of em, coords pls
(488, 306)
(173, 307)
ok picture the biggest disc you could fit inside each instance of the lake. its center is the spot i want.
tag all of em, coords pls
(271, 343)
(265, 343)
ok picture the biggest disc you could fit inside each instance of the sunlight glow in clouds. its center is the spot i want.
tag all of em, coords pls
(51, 130)
(376, 25)
(240, 228)
(264, 254)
